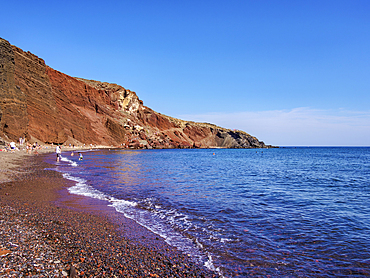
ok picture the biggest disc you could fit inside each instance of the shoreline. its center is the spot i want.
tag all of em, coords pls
(48, 231)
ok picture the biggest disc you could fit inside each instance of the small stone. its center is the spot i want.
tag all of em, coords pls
(72, 272)
(4, 252)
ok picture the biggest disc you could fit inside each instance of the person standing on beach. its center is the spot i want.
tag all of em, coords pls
(58, 151)
(12, 146)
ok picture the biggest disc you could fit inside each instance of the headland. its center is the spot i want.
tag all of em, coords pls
(42, 104)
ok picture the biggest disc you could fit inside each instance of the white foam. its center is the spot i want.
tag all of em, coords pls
(209, 264)
(156, 224)
(223, 240)
(71, 162)
(154, 221)
(82, 188)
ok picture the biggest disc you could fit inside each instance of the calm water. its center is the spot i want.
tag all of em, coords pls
(292, 212)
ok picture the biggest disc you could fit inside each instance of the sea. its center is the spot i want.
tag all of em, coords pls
(284, 212)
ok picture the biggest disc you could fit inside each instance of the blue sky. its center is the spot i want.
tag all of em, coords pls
(287, 72)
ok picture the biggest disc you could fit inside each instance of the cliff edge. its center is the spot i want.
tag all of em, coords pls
(40, 103)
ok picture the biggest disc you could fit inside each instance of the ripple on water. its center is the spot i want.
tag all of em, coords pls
(289, 212)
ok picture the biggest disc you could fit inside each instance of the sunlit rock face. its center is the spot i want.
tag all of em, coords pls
(13, 105)
(40, 103)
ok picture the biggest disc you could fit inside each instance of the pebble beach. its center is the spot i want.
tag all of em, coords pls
(47, 232)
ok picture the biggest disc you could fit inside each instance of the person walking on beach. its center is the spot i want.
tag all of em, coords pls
(29, 148)
(58, 151)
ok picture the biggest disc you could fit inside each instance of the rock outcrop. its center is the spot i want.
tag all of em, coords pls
(40, 103)
(13, 104)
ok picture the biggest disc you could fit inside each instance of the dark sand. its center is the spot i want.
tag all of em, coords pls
(47, 232)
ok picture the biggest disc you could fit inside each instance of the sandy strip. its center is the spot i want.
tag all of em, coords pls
(47, 232)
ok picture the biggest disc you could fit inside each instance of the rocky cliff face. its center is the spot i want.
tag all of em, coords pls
(40, 103)
(13, 105)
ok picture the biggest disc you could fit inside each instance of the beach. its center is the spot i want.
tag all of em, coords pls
(48, 232)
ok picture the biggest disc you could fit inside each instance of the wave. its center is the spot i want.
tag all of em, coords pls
(71, 162)
(152, 221)
(82, 188)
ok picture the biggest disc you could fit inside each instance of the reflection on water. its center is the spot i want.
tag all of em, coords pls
(279, 212)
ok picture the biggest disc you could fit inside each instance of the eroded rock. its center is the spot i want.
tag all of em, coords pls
(40, 103)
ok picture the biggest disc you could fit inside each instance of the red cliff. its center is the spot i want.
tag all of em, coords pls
(40, 103)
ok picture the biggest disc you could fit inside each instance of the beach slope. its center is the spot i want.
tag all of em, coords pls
(43, 234)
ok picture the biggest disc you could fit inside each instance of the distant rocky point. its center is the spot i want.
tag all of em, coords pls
(45, 105)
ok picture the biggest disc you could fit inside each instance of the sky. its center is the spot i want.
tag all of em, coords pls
(291, 73)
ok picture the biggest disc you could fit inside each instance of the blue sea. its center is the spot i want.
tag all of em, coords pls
(290, 212)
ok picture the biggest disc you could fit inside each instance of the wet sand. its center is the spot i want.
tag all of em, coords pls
(47, 232)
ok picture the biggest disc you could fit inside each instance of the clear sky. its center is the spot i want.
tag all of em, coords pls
(288, 72)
